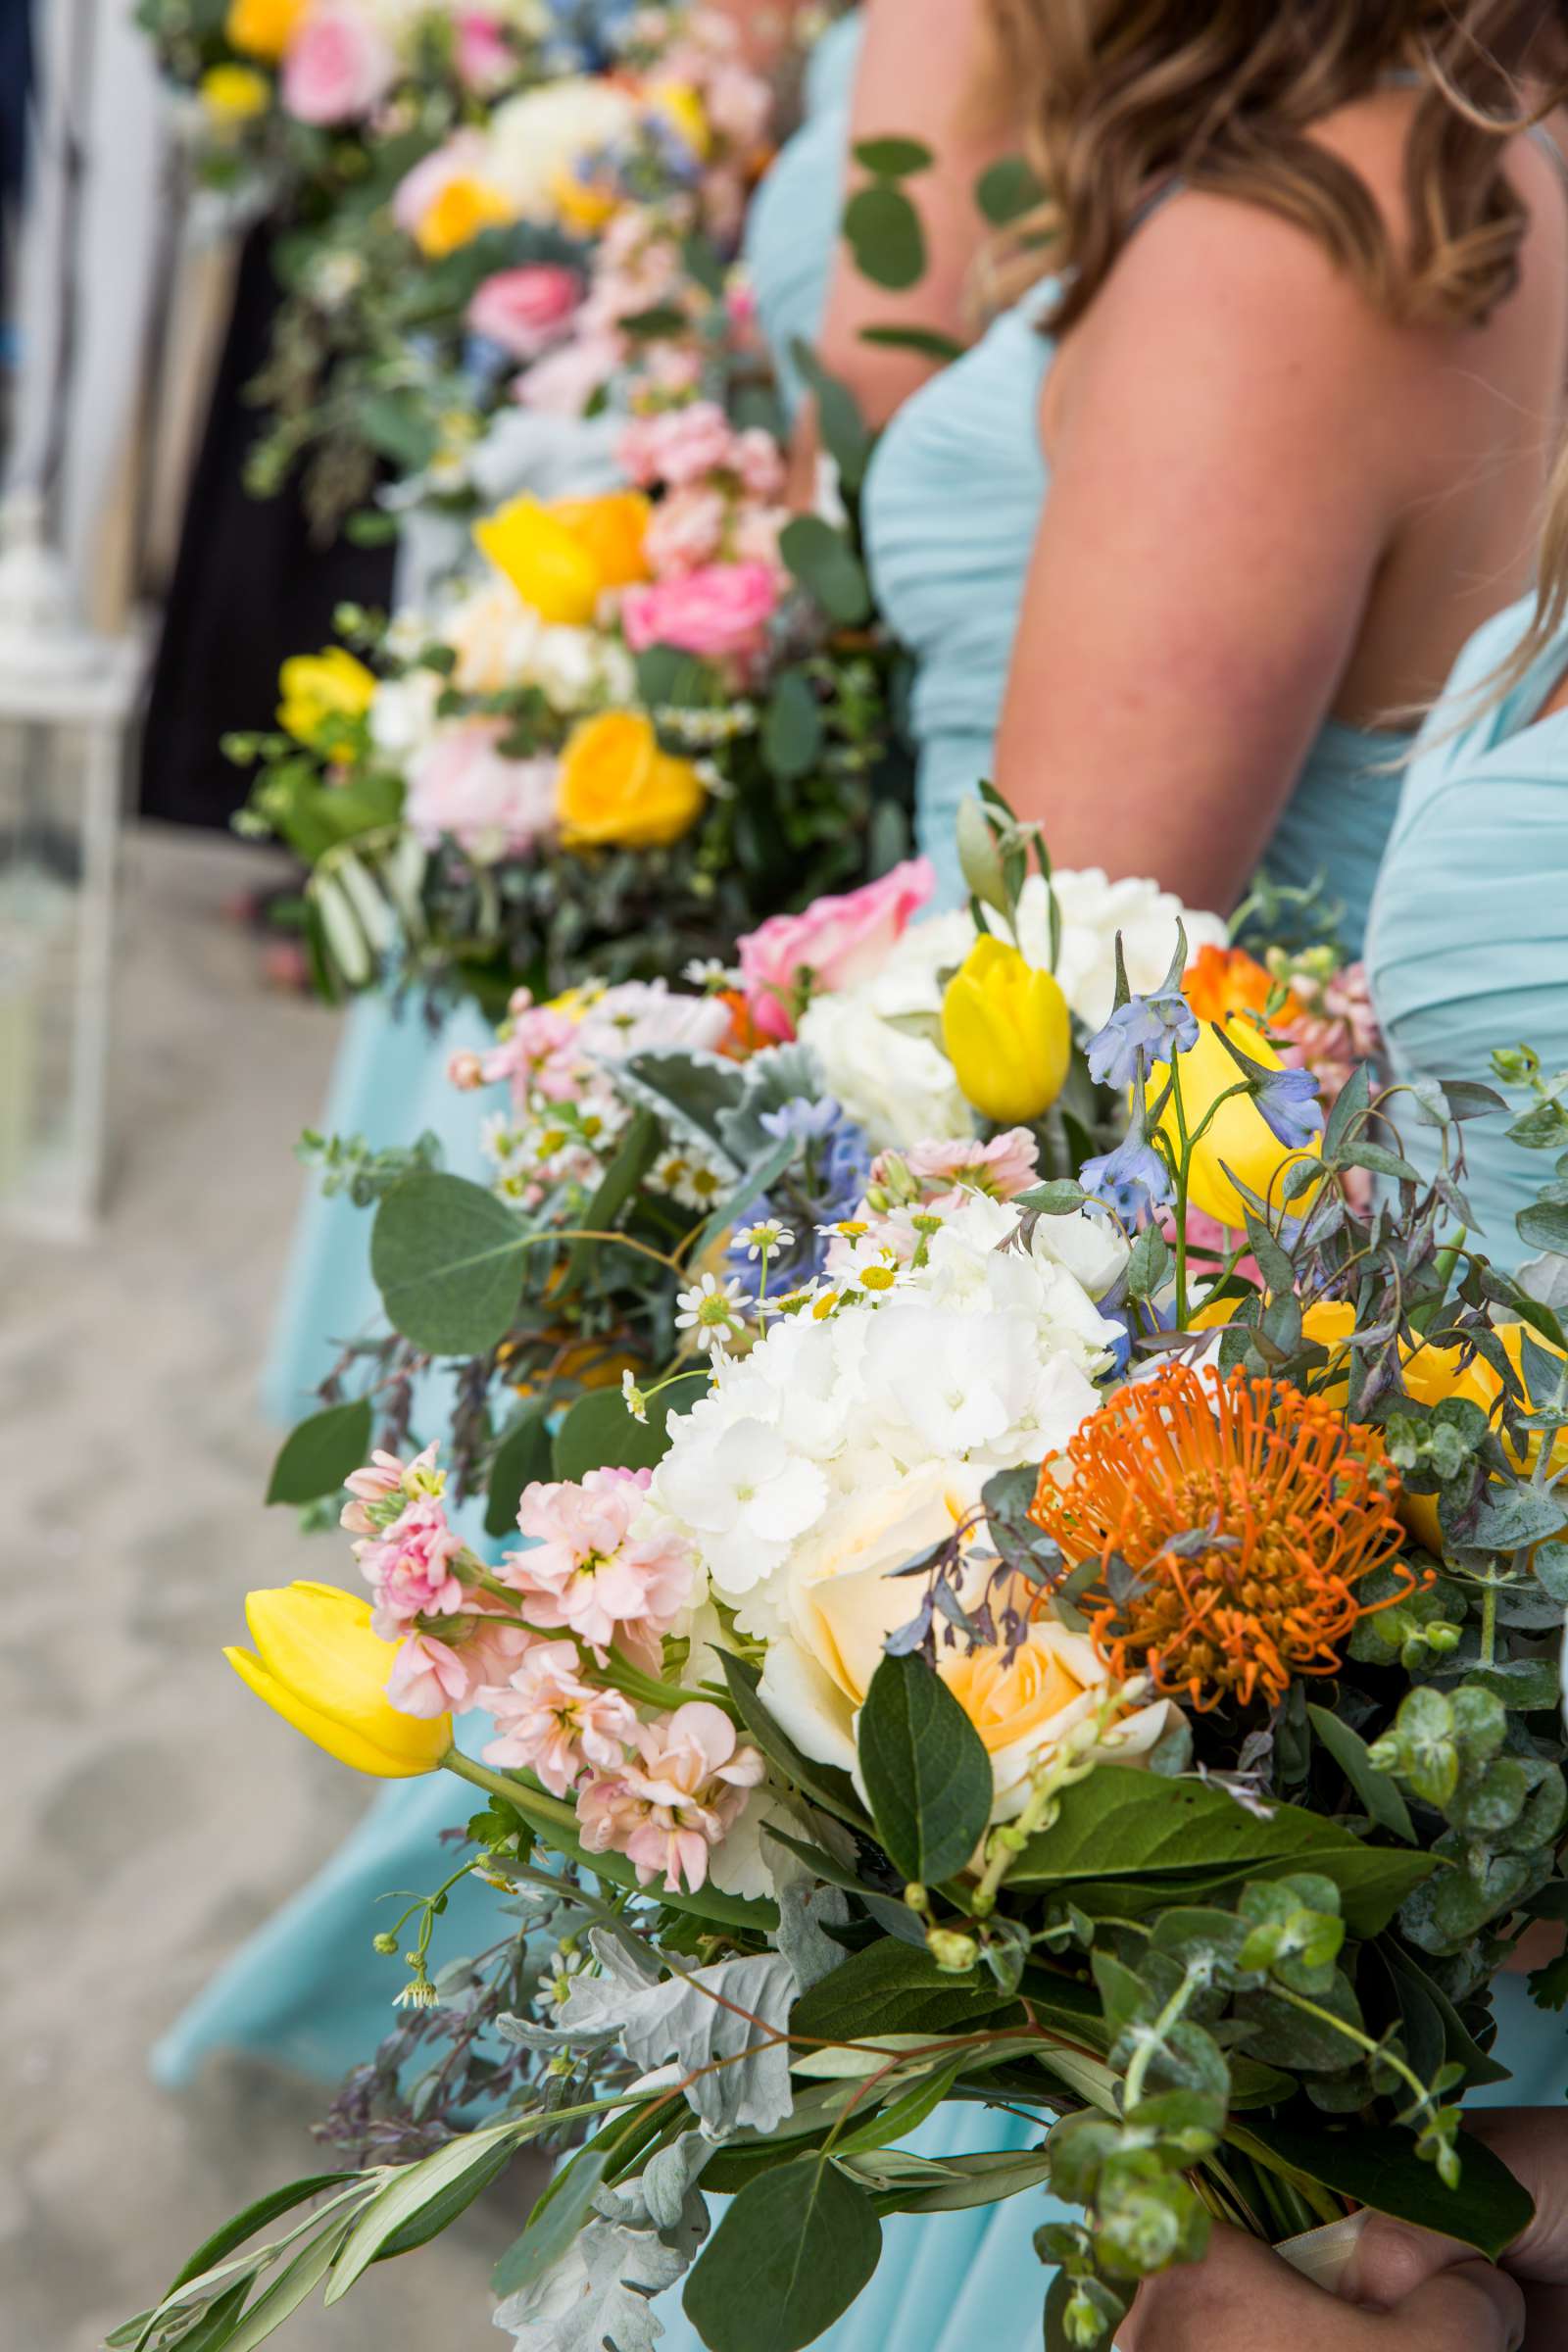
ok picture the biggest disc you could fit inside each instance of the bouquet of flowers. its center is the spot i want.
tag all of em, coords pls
(1020, 1648)
(465, 190)
(657, 714)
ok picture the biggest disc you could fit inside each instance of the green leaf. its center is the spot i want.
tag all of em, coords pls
(1378, 1790)
(1380, 2168)
(1006, 190)
(892, 1987)
(447, 1258)
(1543, 1225)
(894, 159)
(833, 1790)
(885, 236)
(319, 1454)
(554, 2222)
(971, 2180)
(395, 426)
(523, 1455)
(791, 2252)
(841, 426)
(925, 341)
(443, 2211)
(792, 727)
(827, 567)
(416, 2187)
(292, 2286)
(600, 1434)
(255, 2217)
(1133, 1840)
(925, 1769)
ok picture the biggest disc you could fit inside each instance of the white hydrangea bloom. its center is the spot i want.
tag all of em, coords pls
(1093, 910)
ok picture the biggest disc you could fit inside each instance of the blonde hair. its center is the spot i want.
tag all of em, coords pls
(1122, 97)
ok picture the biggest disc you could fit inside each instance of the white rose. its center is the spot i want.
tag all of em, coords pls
(845, 1598)
(1093, 910)
(537, 136)
(403, 714)
(495, 636)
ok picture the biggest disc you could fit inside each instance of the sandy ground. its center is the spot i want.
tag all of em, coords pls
(154, 1813)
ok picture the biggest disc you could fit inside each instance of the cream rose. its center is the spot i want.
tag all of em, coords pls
(537, 137)
(845, 1599)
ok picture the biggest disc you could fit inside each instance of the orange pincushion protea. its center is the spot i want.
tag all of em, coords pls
(1248, 1514)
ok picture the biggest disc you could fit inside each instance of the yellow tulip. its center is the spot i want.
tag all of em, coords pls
(682, 108)
(563, 556)
(1008, 1033)
(323, 694)
(233, 94)
(584, 204)
(262, 27)
(318, 1664)
(457, 213)
(1239, 1136)
(619, 790)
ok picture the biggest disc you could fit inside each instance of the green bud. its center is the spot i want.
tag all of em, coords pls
(980, 854)
(1083, 2323)
(953, 1953)
(384, 1943)
(1443, 1637)
(915, 1895)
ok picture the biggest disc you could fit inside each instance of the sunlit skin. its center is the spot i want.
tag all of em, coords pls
(1268, 505)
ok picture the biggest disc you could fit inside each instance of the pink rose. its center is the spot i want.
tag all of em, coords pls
(718, 611)
(486, 59)
(462, 786)
(835, 943)
(463, 156)
(526, 310)
(338, 67)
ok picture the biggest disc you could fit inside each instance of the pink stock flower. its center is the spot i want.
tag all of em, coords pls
(738, 104)
(524, 311)
(541, 1055)
(485, 58)
(383, 1476)
(463, 156)
(550, 1722)
(718, 611)
(684, 531)
(585, 1570)
(755, 537)
(564, 381)
(678, 445)
(759, 463)
(837, 942)
(339, 68)
(463, 786)
(409, 1568)
(428, 1678)
(1007, 1166)
(669, 1808)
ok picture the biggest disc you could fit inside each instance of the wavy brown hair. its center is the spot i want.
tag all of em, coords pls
(1121, 97)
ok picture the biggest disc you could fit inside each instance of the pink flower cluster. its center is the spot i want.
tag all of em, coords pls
(940, 1173)
(1338, 1028)
(525, 310)
(837, 942)
(417, 1568)
(677, 1796)
(588, 1570)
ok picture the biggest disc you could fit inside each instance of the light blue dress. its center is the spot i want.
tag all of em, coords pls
(952, 505)
(791, 225)
(307, 1989)
(1469, 945)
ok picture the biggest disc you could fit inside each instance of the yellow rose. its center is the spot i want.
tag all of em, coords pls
(323, 695)
(843, 1600)
(1008, 1033)
(457, 213)
(233, 94)
(262, 27)
(562, 557)
(318, 1664)
(585, 205)
(619, 790)
(1239, 1137)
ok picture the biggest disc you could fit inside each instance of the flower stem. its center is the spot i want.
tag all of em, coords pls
(548, 1812)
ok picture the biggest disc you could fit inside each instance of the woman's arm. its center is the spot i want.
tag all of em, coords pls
(1233, 436)
(916, 79)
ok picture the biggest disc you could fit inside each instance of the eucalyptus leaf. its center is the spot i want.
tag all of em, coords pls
(791, 2252)
(884, 234)
(319, 1456)
(447, 1258)
(827, 567)
(522, 1456)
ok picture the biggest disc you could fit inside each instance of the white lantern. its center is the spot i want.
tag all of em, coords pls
(67, 697)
